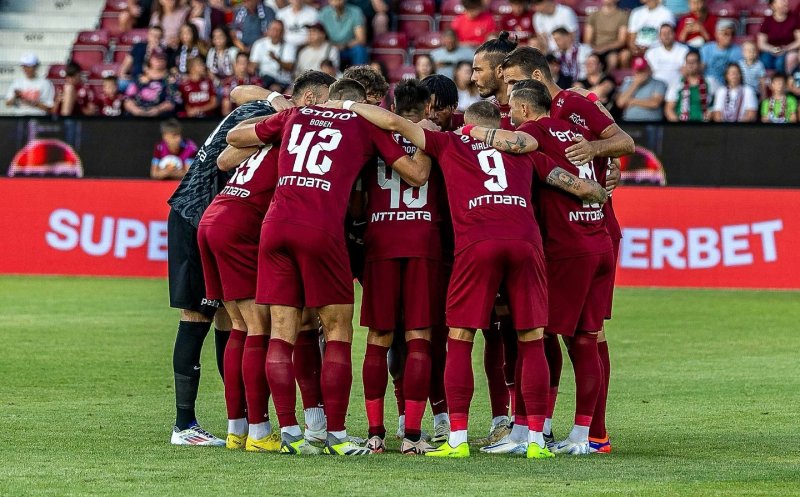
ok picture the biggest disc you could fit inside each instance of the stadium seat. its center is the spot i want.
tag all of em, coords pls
(97, 37)
(428, 42)
(115, 6)
(724, 9)
(415, 17)
(120, 51)
(744, 38)
(56, 71)
(753, 26)
(90, 48)
(390, 49)
(99, 71)
(450, 9)
(585, 8)
(402, 72)
(133, 36)
(500, 7)
(110, 23)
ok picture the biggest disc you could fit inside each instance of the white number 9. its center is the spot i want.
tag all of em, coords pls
(491, 162)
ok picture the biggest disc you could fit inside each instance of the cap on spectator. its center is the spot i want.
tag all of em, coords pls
(29, 60)
(316, 25)
(640, 64)
(724, 24)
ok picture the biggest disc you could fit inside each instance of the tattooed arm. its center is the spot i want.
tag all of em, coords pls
(585, 189)
(515, 142)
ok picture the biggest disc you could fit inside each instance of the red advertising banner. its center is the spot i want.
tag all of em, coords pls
(709, 237)
(673, 237)
(84, 227)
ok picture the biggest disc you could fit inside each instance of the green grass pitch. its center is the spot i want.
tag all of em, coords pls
(704, 400)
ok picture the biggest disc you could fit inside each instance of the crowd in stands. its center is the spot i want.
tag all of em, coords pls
(695, 60)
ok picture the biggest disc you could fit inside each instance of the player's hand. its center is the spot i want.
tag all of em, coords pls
(429, 125)
(333, 104)
(581, 152)
(613, 176)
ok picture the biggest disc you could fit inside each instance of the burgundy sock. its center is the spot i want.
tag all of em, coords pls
(535, 382)
(280, 375)
(234, 385)
(459, 383)
(493, 364)
(598, 428)
(375, 375)
(552, 350)
(254, 374)
(307, 366)
(416, 383)
(520, 413)
(337, 378)
(588, 376)
(438, 358)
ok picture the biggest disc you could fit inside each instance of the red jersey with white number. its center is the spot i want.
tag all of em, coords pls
(245, 199)
(402, 221)
(579, 110)
(505, 114)
(83, 97)
(110, 106)
(519, 25)
(570, 227)
(322, 153)
(197, 94)
(488, 190)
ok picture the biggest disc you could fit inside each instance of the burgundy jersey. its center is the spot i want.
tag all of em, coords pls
(505, 114)
(570, 226)
(110, 106)
(579, 110)
(456, 121)
(488, 190)
(322, 153)
(197, 94)
(521, 26)
(83, 97)
(245, 199)
(402, 221)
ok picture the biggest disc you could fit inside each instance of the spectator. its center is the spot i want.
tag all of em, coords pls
(222, 54)
(134, 62)
(376, 13)
(779, 107)
(31, 94)
(198, 93)
(716, 55)
(272, 59)
(136, 15)
(779, 38)
(698, 26)
(444, 100)
(74, 98)
(794, 81)
(677, 7)
(753, 69)
(154, 94)
(346, 30)
(173, 155)
(330, 69)
(296, 18)
(607, 33)
(191, 46)
(734, 102)
(642, 97)
(644, 23)
(475, 24)
(518, 22)
(424, 66)
(549, 16)
(555, 71)
(316, 51)
(598, 82)
(206, 18)
(667, 57)
(110, 100)
(690, 98)
(170, 15)
(467, 89)
(250, 20)
(241, 76)
(450, 54)
(572, 54)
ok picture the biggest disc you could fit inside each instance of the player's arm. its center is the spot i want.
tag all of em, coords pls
(585, 189)
(244, 134)
(385, 119)
(515, 142)
(613, 175)
(613, 142)
(248, 93)
(231, 157)
(414, 170)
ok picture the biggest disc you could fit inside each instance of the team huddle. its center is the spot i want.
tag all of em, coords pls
(498, 219)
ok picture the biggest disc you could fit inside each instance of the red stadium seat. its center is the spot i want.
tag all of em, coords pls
(428, 42)
(94, 38)
(87, 56)
(724, 9)
(402, 72)
(741, 39)
(415, 17)
(110, 23)
(390, 49)
(133, 36)
(99, 71)
(57, 71)
(450, 9)
(120, 51)
(759, 10)
(115, 6)
(390, 60)
(585, 8)
(500, 7)
(753, 26)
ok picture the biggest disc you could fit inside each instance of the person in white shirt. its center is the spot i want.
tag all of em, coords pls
(571, 54)
(734, 102)
(296, 17)
(273, 59)
(450, 54)
(644, 24)
(30, 95)
(668, 57)
(318, 50)
(550, 16)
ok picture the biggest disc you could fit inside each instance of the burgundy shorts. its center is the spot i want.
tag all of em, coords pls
(578, 289)
(482, 268)
(230, 260)
(615, 243)
(300, 266)
(407, 290)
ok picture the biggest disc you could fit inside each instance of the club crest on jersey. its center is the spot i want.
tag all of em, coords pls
(560, 102)
(577, 120)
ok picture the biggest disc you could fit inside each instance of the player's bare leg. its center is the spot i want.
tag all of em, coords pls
(307, 370)
(416, 385)
(375, 376)
(598, 435)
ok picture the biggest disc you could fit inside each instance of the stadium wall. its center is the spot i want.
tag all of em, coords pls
(673, 237)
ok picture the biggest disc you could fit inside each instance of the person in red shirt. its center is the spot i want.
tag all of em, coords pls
(110, 101)
(228, 238)
(611, 141)
(475, 24)
(75, 98)
(577, 247)
(303, 260)
(698, 26)
(519, 22)
(198, 92)
(241, 76)
(779, 37)
(497, 243)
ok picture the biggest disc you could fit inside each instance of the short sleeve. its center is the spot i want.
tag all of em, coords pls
(48, 94)
(765, 107)
(596, 120)
(358, 16)
(750, 99)
(435, 143)
(389, 150)
(672, 93)
(289, 53)
(719, 100)
(660, 88)
(791, 105)
(269, 130)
